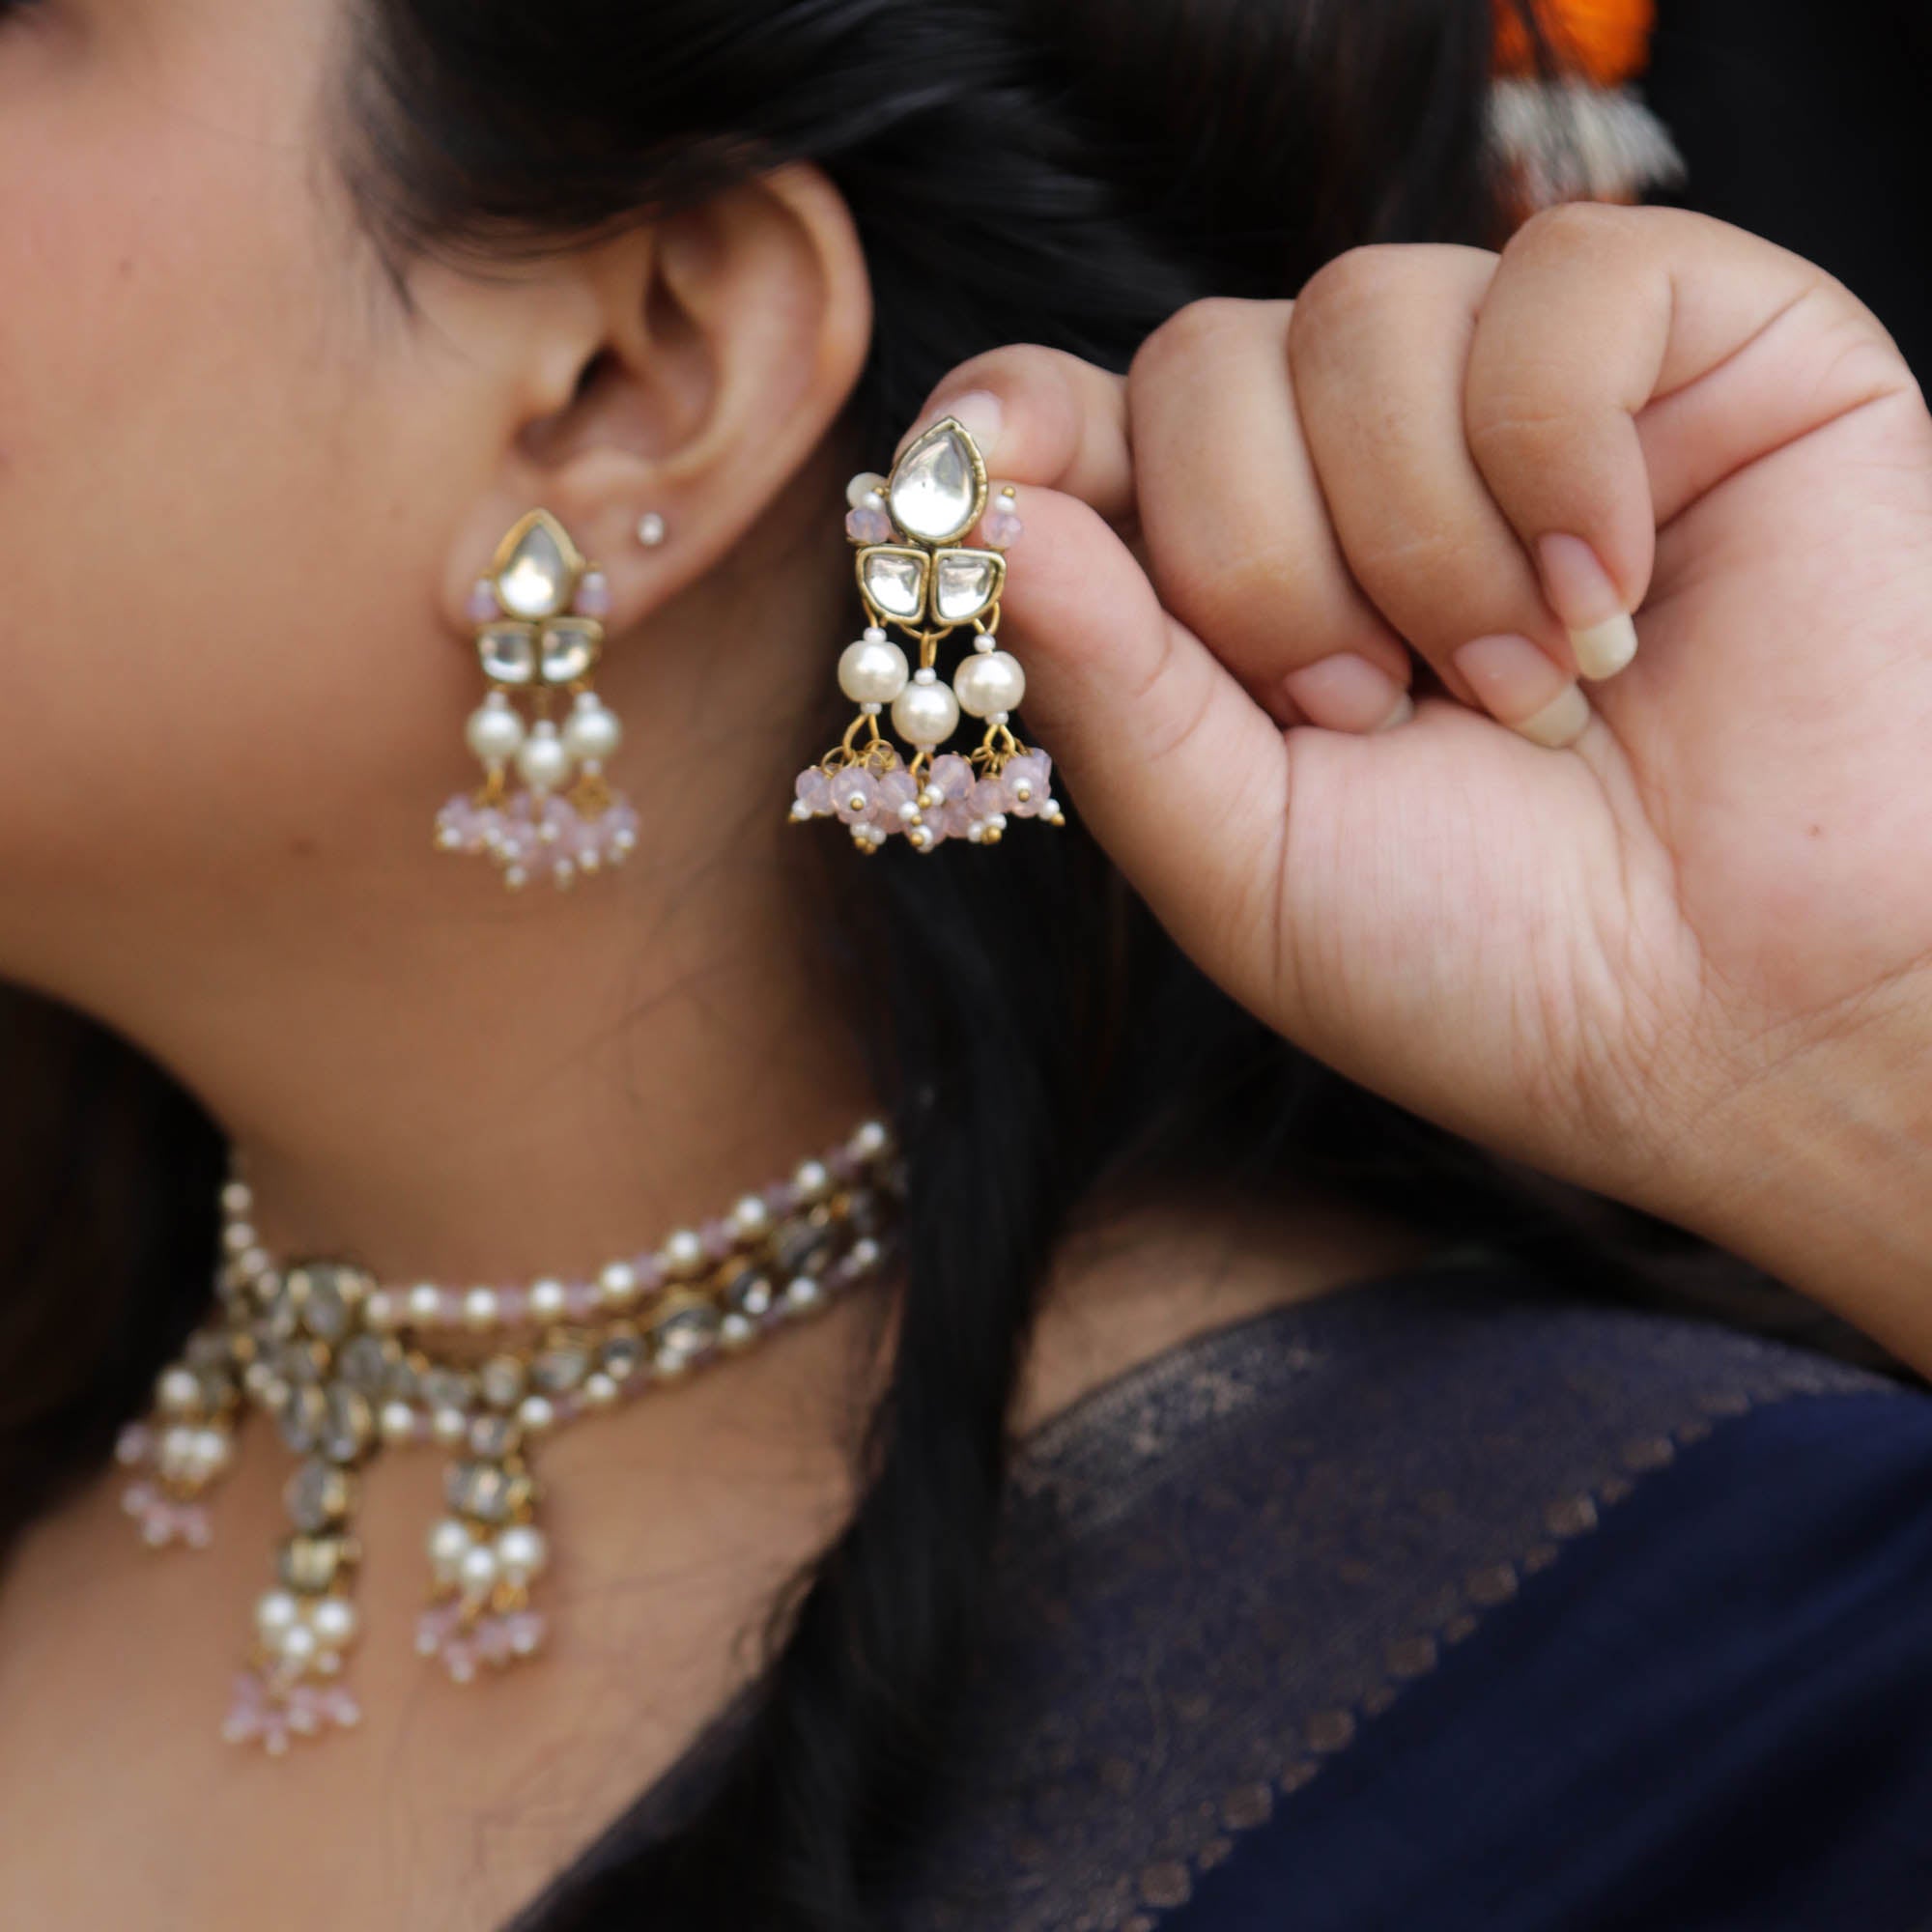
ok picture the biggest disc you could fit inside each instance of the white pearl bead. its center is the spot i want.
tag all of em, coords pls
(477, 1572)
(449, 1542)
(751, 1218)
(298, 1643)
(867, 483)
(238, 1198)
(399, 1422)
(547, 1299)
(925, 715)
(495, 730)
(211, 1453)
(872, 673)
(449, 1426)
(593, 733)
(683, 1253)
(812, 1182)
(479, 1308)
(379, 1311)
(179, 1392)
(275, 1613)
(870, 1141)
(544, 763)
(522, 1553)
(990, 682)
(617, 1284)
(425, 1303)
(535, 1413)
(599, 1390)
(333, 1622)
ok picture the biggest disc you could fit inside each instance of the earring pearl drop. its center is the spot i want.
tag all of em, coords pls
(650, 529)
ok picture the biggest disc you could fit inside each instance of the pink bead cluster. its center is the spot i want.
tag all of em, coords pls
(163, 1519)
(876, 800)
(463, 1640)
(270, 1711)
(528, 836)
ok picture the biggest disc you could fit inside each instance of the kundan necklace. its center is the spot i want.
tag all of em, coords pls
(346, 1366)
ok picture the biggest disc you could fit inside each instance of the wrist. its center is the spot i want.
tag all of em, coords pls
(1825, 1181)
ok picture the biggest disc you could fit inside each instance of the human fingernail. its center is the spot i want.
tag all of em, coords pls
(1583, 595)
(979, 412)
(1524, 689)
(1347, 692)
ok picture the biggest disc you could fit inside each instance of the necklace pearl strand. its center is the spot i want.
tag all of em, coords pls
(347, 1366)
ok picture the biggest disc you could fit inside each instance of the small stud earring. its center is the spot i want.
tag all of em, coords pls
(650, 529)
(539, 618)
(913, 572)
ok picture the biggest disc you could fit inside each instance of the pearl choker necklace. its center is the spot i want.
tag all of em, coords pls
(347, 1366)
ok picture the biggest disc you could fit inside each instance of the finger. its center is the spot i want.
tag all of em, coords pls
(1625, 361)
(1236, 534)
(1378, 348)
(1175, 769)
(1040, 415)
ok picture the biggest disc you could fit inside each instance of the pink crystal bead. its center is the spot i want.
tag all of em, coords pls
(134, 1445)
(894, 792)
(958, 819)
(1001, 528)
(582, 1298)
(869, 525)
(1029, 782)
(951, 776)
(813, 792)
(482, 607)
(593, 595)
(990, 799)
(272, 1713)
(854, 792)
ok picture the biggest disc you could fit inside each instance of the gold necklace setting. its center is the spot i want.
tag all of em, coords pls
(345, 1367)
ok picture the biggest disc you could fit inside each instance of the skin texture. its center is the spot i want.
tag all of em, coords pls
(245, 492)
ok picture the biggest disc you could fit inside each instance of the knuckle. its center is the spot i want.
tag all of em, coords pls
(1343, 289)
(1193, 332)
(1575, 230)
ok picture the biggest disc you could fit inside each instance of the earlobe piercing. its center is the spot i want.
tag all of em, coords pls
(539, 618)
(914, 572)
(650, 529)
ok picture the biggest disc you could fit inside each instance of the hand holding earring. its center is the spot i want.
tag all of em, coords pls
(913, 573)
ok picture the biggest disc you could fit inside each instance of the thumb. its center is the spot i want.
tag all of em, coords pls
(1176, 769)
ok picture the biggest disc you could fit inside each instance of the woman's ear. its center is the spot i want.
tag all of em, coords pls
(686, 369)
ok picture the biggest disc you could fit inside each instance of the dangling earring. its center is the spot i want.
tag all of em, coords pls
(913, 573)
(539, 618)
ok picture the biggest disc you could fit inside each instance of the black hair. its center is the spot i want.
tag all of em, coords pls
(1068, 172)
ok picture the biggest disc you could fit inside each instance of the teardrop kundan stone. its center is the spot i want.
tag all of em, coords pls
(537, 568)
(939, 487)
(894, 580)
(965, 583)
(508, 652)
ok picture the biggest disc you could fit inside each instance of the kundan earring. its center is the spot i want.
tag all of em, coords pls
(539, 617)
(915, 573)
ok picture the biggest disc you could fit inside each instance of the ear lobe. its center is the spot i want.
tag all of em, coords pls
(729, 338)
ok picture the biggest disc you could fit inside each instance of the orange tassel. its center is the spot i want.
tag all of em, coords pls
(1604, 42)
